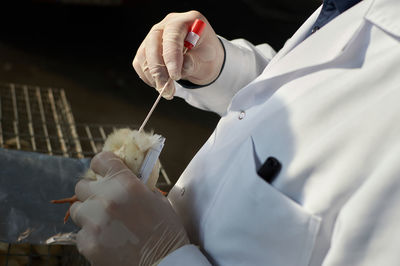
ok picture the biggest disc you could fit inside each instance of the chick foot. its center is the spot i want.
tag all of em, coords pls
(70, 200)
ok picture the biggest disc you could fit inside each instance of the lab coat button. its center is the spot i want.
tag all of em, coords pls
(315, 29)
(182, 191)
(242, 114)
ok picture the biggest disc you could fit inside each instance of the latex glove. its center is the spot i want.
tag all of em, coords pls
(160, 55)
(122, 221)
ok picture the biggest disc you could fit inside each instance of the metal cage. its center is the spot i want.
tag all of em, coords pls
(41, 120)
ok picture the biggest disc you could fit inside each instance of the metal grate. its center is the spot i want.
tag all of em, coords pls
(37, 119)
(26, 254)
(40, 119)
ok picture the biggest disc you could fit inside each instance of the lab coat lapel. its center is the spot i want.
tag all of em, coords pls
(317, 50)
(384, 14)
(298, 37)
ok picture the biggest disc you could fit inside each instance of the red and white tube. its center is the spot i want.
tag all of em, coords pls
(194, 34)
(190, 41)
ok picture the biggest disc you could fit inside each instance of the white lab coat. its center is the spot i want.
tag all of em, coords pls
(328, 108)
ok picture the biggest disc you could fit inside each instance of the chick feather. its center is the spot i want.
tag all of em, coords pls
(131, 146)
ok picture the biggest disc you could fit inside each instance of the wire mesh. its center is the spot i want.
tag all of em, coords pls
(40, 119)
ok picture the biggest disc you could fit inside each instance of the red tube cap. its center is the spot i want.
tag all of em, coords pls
(197, 26)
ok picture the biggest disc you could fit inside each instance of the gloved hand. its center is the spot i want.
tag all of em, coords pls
(160, 55)
(122, 221)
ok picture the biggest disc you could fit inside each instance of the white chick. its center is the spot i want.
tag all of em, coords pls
(131, 146)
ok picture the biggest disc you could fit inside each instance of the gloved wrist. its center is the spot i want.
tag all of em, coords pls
(163, 242)
(190, 85)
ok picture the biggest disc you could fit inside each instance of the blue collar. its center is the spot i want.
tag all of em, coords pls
(343, 5)
(330, 10)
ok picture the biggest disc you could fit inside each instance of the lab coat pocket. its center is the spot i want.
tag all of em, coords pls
(255, 224)
(290, 230)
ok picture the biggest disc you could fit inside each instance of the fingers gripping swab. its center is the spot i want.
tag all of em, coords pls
(190, 41)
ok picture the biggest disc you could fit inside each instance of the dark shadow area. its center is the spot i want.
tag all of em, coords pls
(88, 49)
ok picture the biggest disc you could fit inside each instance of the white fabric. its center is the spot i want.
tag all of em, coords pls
(328, 109)
(241, 57)
(186, 255)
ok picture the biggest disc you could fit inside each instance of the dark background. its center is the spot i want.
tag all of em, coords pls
(87, 48)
